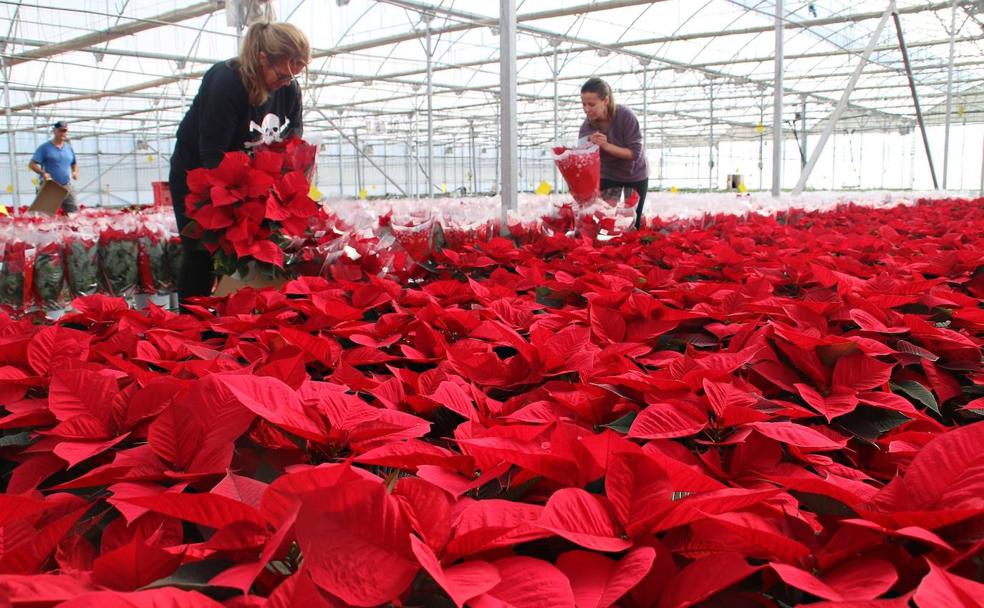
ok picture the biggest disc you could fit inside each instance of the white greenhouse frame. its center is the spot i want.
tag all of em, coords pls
(425, 98)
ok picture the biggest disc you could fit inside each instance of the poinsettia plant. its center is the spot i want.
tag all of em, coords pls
(734, 411)
(250, 208)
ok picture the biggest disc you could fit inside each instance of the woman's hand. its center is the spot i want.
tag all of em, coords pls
(599, 139)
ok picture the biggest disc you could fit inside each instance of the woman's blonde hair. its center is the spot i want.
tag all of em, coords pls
(600, 88)
(280, 42)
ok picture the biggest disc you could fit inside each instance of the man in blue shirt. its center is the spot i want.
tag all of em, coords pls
(55, 160)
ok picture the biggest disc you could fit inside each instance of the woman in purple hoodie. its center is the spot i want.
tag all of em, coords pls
(615, 130)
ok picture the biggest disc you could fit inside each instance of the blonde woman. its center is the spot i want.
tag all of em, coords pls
(615, 130)
(240, 101)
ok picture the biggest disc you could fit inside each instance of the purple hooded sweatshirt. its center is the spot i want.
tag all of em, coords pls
(623, 131)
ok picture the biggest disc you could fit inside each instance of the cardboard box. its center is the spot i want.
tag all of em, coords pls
(49, 198)
(162, 194)
(229, 285)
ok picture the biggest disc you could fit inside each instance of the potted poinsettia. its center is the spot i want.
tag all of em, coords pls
(253, 208)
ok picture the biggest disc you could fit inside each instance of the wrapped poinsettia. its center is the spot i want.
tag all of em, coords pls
(174, 254)
(14, 272)
(416, 235)
(461, 227)
(48, 266)
(118, 261)
(249, 208)
(328, 239)
(609, 215)
(82, 262)
(562, 221)
(155, 272)
(523, 230)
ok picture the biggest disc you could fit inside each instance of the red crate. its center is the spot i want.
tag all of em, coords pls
(162, 194)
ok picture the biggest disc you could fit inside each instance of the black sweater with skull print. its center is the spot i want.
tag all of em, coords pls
(220, 119)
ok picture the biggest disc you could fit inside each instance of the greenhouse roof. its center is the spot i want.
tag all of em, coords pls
(691, 70)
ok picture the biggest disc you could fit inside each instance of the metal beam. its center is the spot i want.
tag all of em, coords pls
(462, 112)
(397, 77)
(949, 93)
(111, 52)
(915, 98)
(118, 31)
(777, 104)
(355, 145)
(428, 17)
(472, 23)
(159, 82)
(11, 138)
(572, 10)
(392, 77)
(509, 190)
(842, 104)
(140, 54)
(454, 13)
(789, 25)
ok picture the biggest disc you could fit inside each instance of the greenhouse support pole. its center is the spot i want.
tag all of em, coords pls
(358, 163)
(949, 94)
(99, 173)
(414, 151)
(842, 103)
(474, 170)
(912, 163)
(662, 148)
(11, 140)
(556, 114)
(158, 155)
(761, 127)
(915, 97)
(136, 172)
(384, 147)
(508, 118)
(341, 171)
(884, 157)
(860, 156)
(407, 162)
(803, 132)
(777, 106)
(645, 112)
(430, 109)
(710, 150)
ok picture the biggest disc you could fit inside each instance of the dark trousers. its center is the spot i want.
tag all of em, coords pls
(195, 278)
(641, 187)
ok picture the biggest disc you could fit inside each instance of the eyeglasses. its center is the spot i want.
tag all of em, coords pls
(65, 130)
(284, 76)
(294, 69)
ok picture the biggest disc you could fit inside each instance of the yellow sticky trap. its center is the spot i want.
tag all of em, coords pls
(3, 210)
(760, 128)
(150, 158)
(314, 194)
(444, 187)
(544, 189)
(674, 189)
(34, 181)
(363, 194)
(10, 187)
(961, 110)
(742, 188)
